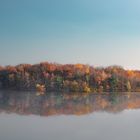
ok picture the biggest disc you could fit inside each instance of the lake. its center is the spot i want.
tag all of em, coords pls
(55, 116)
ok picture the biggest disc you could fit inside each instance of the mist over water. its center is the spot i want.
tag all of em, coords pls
(27, 116)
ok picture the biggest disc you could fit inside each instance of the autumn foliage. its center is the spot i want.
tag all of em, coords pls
(68, 78)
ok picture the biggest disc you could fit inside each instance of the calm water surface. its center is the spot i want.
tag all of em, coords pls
(26, 116)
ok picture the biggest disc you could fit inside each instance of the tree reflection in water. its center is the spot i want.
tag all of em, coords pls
(26, 103)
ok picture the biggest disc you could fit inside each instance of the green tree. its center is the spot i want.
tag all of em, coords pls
(113, 82)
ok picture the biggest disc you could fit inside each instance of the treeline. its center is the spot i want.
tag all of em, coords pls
(69, 78)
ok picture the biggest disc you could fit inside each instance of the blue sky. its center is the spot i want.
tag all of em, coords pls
(95, 32)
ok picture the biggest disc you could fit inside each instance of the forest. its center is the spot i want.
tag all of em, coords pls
(53, 77)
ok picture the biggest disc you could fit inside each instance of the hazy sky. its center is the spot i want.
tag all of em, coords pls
(95, 32)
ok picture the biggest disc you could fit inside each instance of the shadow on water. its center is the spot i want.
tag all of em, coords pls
(26, 103)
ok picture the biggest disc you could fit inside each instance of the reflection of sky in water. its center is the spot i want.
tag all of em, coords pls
(96, 123)
(124, 126)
